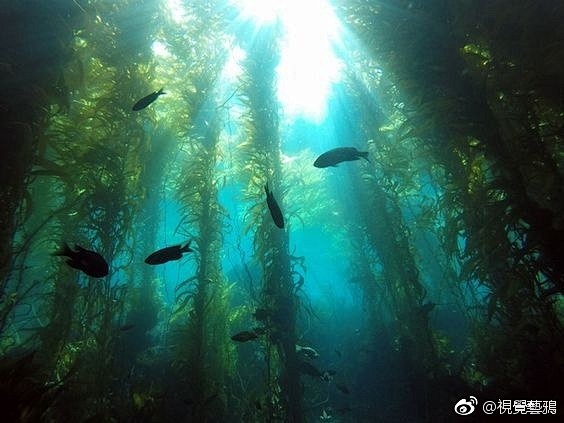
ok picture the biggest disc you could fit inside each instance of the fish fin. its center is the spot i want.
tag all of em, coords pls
(64, 250)
(364, 155)
(74, 264)
(266, 189)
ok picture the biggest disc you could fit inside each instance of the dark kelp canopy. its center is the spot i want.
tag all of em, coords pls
(426, 274)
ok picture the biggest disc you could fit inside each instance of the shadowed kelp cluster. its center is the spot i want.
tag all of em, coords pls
(240, 261)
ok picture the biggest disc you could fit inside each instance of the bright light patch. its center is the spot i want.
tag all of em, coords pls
(176, 10)
(308, 65)
(232, 68)
(261, 11)
(159, 49)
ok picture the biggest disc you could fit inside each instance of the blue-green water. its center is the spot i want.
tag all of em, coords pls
(415, 283)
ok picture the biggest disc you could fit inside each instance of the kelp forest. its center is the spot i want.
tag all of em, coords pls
(188, 233)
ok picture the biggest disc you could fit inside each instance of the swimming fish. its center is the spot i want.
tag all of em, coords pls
(167, 254)
(246, 335)
(427, 307)
(274, 208)
(148, 99)
(90, 262)
(338, 155)
(342, 387)
(307, 352)
(309, 369)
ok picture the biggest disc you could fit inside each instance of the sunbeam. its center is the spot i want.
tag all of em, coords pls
(308, 64)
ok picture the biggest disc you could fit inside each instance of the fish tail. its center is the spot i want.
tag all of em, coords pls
(64, 250)
(161, 92)
(186, 248)
(364, 155)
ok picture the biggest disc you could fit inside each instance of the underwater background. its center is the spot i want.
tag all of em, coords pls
(169, 252)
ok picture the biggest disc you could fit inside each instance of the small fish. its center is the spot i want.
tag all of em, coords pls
(90, 262)
(309, 369)
(245, 336)
(212, 397)
(427, 307)
(274, 208)
(148, 99)
(167, 254)
(307, 352)
(126, 327)
(340, 154)
(343, 388)
(338, 353)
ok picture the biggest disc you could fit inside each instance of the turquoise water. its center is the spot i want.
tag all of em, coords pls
(421, 271)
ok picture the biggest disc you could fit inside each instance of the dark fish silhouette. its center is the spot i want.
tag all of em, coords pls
(427, 307)
(127, 327)
(90, 262)
(309, 369)
(167, 254)
(246, 335)
(338, 155)
(148, 99)
(274, 208)
(343, 388)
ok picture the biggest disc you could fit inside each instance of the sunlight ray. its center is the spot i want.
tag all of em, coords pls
(308, 64)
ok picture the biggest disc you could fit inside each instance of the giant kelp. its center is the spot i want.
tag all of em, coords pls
(94, 207)
(261, 154)
(459, 208)
(30, 92)
(198, 321)
(475, 105)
